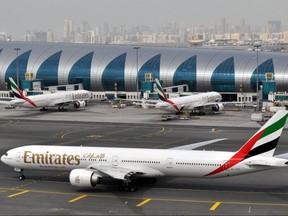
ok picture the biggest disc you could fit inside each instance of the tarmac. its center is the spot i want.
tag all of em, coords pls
(98, 124)
(103, 112)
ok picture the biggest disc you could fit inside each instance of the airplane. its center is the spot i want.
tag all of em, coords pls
(78, 98)
(189, 103)
(89, 166)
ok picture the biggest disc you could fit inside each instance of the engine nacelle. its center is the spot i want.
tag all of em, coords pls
(78, 104)
(218, 107)
(84, 178)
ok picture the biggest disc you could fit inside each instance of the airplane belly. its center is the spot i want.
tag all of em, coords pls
(45, 167)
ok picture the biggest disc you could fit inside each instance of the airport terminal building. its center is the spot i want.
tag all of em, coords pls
(100, 67)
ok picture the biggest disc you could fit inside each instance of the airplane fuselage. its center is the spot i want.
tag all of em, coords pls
(188, 103)
(150, 162)
(50, 100)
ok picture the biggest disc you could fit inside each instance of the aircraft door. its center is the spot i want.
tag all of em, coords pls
(169, 163)
(226, 165)
(18, 156)
(115, 161)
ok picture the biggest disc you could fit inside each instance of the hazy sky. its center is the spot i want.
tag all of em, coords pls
(16, 16)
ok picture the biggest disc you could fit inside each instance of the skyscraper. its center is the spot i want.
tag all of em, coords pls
(68, 30)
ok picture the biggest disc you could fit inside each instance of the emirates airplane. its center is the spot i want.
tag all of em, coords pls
(88, 166)
(78, 98)
(188, 103)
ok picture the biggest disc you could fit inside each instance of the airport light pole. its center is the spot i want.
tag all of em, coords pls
(137, 81)
(257, 46)
(17, 69)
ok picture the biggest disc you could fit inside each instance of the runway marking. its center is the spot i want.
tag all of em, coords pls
(19, 193)
(215, 206)
(126, 129)
(65, 133)
(170, 143)
(154, 199)
(78, 198)
(143, 202)
(10, 123)
(155, 133)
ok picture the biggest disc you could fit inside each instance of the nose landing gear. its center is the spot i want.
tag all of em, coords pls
(21, 176)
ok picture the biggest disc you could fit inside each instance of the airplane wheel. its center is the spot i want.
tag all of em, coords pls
(152, 180)
(121, 188)
(21, 177)
(126, 188)
(132, 188)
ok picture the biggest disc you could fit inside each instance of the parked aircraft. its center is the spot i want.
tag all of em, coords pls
(90, 165)
(188, 103)
(78, 98)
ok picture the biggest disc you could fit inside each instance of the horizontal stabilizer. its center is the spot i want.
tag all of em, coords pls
(268, 162)
(282, 156)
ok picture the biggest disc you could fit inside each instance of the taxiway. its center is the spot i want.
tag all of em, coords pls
(50, 193)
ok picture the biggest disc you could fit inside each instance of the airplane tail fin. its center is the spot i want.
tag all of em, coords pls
(18, 93)
(263, 142)
(15, 89)
(160, 91)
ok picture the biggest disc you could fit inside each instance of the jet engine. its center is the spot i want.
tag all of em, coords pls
(84, 178)
(78, 104)
(218, 107)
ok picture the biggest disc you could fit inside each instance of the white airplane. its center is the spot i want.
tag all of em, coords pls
(90, 165)
(78, 98)
(188, 103)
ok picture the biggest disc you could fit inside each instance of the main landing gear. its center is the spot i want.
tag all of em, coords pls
(21, 176)
(128, 187)
(43, 109)
(62, 109)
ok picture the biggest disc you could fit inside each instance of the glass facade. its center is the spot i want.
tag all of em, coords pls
(151, 66)
(81, 70)
(186, 74)
(99, 67)
(263, 68)
(48, 71)
(113, 75)
(223, 77)
(22, 67)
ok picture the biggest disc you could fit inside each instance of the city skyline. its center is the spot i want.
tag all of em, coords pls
(19, 16)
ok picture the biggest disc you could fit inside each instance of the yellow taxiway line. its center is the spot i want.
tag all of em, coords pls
(143, 202)
(19, 193)
(77, 198)
(215, 206)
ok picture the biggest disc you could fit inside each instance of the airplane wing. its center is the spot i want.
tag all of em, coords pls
(196, 145)
(220, 102)
(141, 102)
(6, 100)
(117, 172)
(125, 173)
